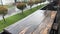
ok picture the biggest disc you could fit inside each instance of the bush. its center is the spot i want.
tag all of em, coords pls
(30, 3)
(21, 6)
(3, 10)
(43, 0)
(36, 2)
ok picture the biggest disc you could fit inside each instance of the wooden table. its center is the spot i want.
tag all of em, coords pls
(39, 22)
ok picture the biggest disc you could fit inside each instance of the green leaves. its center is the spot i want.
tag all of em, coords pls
(21, 6)
(30, 3)
(3, 10)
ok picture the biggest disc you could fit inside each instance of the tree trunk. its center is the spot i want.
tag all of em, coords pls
(4, 18)
(30, 7)
(22, 11)
(15, 2)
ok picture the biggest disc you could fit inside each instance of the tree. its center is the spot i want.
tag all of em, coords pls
(3, 11)
(25, 1)
(30, 3)
(21, 6)
(37, 1)
(43, 0)
(15, 2)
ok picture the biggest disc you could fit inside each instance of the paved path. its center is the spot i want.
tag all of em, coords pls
(12, 11)
(36, 23)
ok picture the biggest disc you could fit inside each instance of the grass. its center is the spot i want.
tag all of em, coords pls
(12, 19)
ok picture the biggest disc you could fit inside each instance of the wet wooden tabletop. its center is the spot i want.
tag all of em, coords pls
(39, 22)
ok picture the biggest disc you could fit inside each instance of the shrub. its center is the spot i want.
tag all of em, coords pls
(43, 0)
(30, 3)
(36, 2)
(3, 11)
(21, 6)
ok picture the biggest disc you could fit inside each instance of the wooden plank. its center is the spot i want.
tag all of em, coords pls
(47, 24)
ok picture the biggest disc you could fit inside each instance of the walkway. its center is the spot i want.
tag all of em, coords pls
(39, 22)
(12, 11)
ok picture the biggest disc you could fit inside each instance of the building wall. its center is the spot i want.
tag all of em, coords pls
(5, 2)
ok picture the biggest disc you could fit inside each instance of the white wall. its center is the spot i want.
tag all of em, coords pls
(5, 2)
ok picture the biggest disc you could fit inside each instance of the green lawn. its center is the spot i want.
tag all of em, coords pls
(12, 19)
